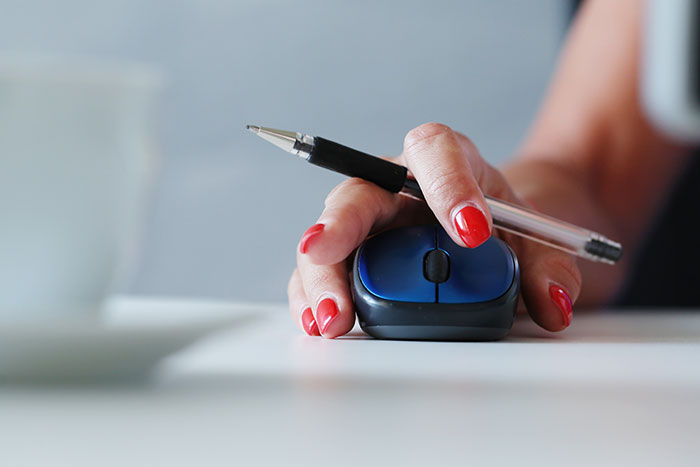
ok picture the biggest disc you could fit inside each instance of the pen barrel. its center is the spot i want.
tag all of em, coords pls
(553, 232)
(536, 225)
(353, 163)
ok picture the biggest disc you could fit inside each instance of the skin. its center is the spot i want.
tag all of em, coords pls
(590, 147)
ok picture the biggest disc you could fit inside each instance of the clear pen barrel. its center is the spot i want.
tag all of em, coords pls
(553, 232)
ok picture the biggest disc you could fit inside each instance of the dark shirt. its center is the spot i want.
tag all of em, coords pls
(666, 269)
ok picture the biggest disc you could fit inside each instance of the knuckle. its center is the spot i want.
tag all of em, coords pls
(362, 222)
(567, 264)
(425, 131)
(358, 219)
(342, 189)
(334, 193)
(465, 139)
(355, 183)
(444, 185)
(358, 204)
(320, 280)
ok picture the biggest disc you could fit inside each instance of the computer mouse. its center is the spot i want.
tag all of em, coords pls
(415, 283)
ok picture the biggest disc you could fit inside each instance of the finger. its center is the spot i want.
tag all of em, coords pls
(550, 279)
(353, 210)
(448, 170)
(327, 290)
(299, 307)
(551, 283)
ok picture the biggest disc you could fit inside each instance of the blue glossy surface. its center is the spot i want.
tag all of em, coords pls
(476, 274)
(390, 265)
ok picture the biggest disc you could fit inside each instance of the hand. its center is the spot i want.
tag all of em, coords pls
(453, 177)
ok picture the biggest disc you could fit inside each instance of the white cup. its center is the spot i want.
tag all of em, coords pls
(76, 156)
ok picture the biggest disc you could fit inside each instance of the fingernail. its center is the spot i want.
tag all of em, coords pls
(561, 298)
(472, 226)
(326, 312)
(310, 233)
(309, 323)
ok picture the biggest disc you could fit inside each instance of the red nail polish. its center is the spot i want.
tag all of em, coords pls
(561, 298)
(309, 323)
(472, 226)
(326, 312)
(310, 233)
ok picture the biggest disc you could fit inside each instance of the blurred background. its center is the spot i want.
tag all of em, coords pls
(229, 209)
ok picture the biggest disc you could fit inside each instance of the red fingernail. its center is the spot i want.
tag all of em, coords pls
(561, 298)
(309, 323)
(472, 226)
(326, 312)
(310, 233)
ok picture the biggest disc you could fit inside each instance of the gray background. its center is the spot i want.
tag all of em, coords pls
(229, 209)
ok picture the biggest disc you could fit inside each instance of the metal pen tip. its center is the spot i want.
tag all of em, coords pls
(287, 140)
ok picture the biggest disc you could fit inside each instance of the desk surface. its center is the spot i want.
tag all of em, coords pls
(616, 388)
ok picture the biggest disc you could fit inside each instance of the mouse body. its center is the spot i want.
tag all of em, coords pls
(415, 283)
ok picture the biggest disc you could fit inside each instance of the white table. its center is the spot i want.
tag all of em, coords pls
(617, 388)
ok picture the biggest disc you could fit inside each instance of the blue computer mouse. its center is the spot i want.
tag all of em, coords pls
(416, 283)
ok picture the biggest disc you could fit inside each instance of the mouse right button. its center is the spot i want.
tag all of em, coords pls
(478, 274)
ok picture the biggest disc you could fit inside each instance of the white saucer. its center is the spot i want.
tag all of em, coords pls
(127, 341)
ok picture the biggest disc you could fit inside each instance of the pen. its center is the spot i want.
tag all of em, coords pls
(395, 178)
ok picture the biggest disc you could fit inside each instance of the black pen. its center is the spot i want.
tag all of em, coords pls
(395, 178)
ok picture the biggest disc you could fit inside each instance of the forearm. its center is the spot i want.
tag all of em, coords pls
(591, 156)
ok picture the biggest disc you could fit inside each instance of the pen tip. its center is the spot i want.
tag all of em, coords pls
(253, 128)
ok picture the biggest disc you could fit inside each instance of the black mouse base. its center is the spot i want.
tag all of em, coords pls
(482, 321)
(436, 333)
(396, 320)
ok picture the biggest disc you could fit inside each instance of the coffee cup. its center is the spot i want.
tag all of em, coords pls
(77, 156)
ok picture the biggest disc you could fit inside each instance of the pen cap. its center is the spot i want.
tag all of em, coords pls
(353, 163)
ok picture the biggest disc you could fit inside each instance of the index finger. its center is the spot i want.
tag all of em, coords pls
(442, 165)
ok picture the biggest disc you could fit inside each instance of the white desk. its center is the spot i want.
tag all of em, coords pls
(617, 389)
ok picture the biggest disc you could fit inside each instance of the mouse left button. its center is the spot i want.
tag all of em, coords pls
(390, 265)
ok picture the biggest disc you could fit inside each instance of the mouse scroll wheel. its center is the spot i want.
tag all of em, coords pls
(436, 266)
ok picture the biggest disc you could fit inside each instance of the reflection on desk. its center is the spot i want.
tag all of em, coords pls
(617, 388)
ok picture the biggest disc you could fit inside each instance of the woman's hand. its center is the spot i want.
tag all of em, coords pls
(453, 177)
